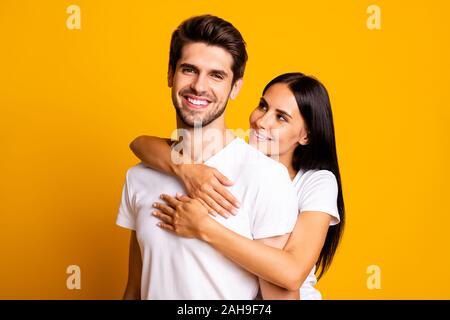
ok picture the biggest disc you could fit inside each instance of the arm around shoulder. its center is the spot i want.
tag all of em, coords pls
(154, 152)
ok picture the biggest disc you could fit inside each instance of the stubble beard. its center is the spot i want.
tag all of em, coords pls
(191, 119)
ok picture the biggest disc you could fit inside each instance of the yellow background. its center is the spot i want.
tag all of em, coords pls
(72, 100)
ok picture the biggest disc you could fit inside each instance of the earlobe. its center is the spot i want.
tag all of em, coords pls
(304, 140)
(236, 88)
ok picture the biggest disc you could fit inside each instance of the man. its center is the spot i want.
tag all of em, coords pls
(206, 67)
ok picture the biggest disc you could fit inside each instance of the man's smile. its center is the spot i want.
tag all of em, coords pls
(196, 102)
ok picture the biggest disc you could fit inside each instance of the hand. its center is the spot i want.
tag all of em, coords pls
(208, 186)
(184, 216)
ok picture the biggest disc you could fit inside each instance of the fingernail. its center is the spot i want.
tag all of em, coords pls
(154, 205)
(161, 196)
(234, 211)
(178, 194)
(237, 204)
(154, 213)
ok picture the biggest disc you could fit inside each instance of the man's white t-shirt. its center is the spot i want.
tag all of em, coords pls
(174, 267)
(317, 190)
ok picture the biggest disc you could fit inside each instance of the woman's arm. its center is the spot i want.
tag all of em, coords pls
(147, 147)
(287, 268)
(270, 291)
(201, 181)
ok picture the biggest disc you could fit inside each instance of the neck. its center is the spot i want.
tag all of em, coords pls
(286, 159)
(201, 143)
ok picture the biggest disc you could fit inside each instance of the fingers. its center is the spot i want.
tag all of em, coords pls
(164, 208)
(163, 217)
(171, 201)
(210, 210)
(185, 198)
(224, 204)
(211, 199)
(208, 194)
(222, 179)
(215, 206)
(166, 226)
(228, 197)
(182, 197)
(216, 201)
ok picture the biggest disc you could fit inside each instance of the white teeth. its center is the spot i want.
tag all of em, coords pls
(198, 102)
(261, 137)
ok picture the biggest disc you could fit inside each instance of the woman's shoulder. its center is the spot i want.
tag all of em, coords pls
(317, 190)
(316, 176)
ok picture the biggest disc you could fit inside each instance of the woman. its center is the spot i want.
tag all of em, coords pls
(297, 108)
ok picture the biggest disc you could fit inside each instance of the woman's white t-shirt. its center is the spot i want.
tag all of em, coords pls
(317, 190)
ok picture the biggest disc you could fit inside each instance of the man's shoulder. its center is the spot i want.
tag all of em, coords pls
(263, 172)
(139, 169)
(141, 173)
(257, 163)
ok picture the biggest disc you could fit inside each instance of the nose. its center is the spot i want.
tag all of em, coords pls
(199, 84)
(262, 122)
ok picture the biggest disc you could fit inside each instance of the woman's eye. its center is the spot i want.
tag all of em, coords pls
(281, 118)
(262, 107)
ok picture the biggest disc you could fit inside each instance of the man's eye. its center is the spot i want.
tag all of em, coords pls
(262, 107)
(188, 70)
(217, 76)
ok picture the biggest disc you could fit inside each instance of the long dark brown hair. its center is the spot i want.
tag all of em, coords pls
(320, 152)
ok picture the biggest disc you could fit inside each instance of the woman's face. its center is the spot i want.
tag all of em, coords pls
(276, 123)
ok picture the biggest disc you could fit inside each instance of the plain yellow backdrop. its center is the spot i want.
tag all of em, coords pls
(72, 100)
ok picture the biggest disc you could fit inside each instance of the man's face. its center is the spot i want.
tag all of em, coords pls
(202, 83)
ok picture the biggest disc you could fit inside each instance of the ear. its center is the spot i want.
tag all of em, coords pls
(304, 138)
(170, 77)
(236, 88)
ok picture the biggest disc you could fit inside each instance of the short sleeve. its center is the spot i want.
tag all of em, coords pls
(126, 217)
(276, 207)
(319, 193)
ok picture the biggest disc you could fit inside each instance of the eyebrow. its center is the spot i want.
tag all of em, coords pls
(187, 65)
(278, 110)
(218, 71)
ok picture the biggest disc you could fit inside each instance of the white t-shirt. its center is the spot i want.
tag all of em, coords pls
(174, 267)
(317, 190)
